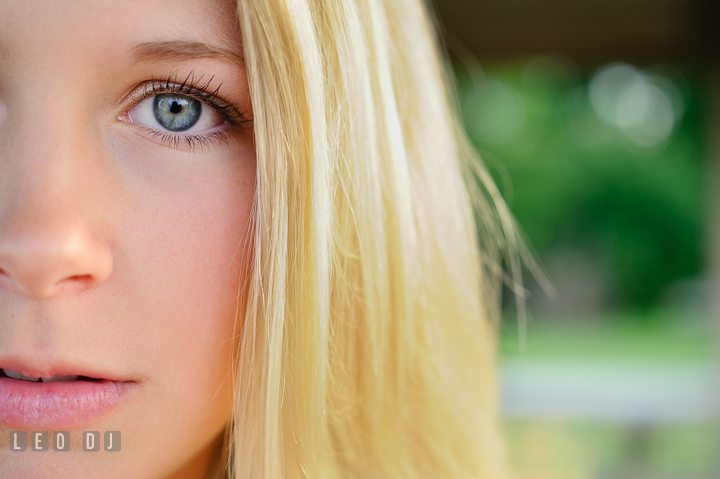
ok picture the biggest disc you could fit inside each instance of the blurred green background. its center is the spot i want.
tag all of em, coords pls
(598, 121)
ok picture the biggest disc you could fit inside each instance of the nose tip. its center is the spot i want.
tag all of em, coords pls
(52, 258)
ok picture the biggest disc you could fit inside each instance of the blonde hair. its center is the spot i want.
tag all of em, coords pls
(367, 344)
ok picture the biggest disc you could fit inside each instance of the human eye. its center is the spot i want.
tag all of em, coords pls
(183, 115)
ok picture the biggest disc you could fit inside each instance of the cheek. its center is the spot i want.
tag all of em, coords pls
(186, 253)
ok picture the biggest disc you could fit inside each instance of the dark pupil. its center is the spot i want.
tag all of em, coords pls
(176, 112)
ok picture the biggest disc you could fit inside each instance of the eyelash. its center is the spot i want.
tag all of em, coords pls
(198, 89)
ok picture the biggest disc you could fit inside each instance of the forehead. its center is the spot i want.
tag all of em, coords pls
(46, 34)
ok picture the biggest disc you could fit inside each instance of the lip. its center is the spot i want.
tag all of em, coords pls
(61, 404)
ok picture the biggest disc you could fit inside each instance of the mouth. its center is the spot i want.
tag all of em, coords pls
(58, 400)
(7, 373)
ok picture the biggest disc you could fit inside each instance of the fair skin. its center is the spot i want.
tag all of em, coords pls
(121, 249)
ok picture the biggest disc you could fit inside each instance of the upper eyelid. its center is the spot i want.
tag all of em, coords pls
(153, 87)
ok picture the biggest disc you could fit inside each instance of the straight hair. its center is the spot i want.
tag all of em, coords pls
(366, 347)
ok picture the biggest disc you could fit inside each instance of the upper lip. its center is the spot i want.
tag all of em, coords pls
(57, 368)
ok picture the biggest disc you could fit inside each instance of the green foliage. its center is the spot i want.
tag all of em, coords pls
(573, 180)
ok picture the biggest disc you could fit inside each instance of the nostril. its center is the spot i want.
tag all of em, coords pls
(79, 277)
(76, 282)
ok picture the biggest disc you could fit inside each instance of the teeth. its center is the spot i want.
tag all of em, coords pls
(16, 375)
(60, 378)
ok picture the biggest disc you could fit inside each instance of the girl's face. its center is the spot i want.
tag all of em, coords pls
(127, 173)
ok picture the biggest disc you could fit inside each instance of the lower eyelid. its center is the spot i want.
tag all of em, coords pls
(188, 143)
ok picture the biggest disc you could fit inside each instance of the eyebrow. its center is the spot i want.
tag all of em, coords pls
(181, 51)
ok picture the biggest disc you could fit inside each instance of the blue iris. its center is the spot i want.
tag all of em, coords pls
(176, 112)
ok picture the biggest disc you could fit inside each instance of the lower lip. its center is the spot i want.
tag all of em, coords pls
(59, 404)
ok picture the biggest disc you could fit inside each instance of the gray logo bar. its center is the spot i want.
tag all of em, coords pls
(40, 441)
(112, 441)
(18, 441)
(61, 441)
(91, 441)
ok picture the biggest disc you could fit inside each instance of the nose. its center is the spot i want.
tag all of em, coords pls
(45, 254)
(48, 244)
